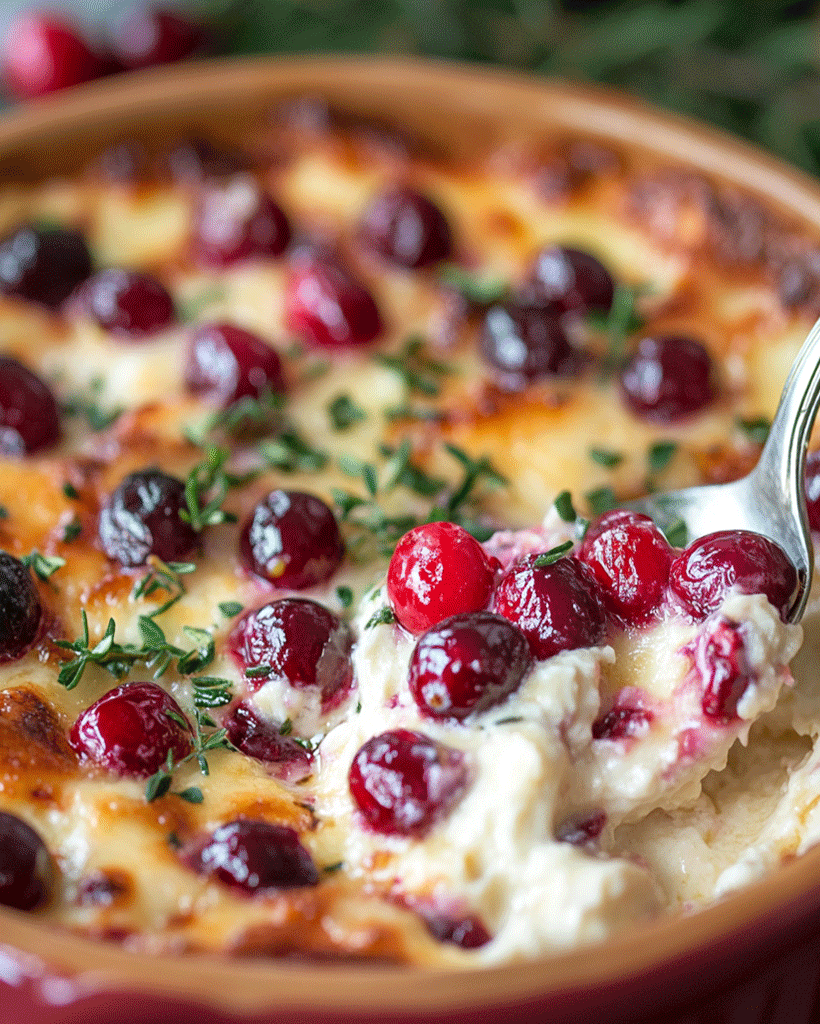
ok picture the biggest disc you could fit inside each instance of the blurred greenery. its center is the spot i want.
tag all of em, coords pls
(751, 66)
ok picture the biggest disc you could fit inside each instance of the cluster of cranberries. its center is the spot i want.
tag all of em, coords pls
(25, 865)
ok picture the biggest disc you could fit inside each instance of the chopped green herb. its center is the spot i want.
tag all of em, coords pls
(190, 310)
(605, 457)
(510, 720)
(205, 490)
(418, 372)
(248, 415)
(617, 324)
(193, 794)
(72, 530)
(258, 672)
(677, 534)
(345, 595)
(601, 500)
(291, 453)
(230, 608)
(344, 412)
(659, 455)
(330, 869)
(163, 576)
(565, 508)
(207, 737)
(211, 691)
(757, 429)
(551, 556)
(43, 566)
(89, 407)
(383, 617)
(482, 291)
(70, 491)
(4, 512)
(286, 728)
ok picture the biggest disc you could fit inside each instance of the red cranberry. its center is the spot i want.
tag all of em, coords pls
(813, 489)
(668, 378)
(402, 782)
(226, 363)
(263, 740)
(466, 664)
(299, 640)
(630, 558)
(292, 539)
(581, 830)
(255, 856)
(719, 657)
(437, 570)
(622, 722)
(147, 36)
(128, 304)
(406, 228)
(29, 417)
(43, 265)
(466, 932)
(20, 608)
(235, 220)
(327, 307)
(556, 607)
(524, 343)
(706, 571)
(43, 54)
(571, 280)
(142, 518)
(131, 729)
(25, 865)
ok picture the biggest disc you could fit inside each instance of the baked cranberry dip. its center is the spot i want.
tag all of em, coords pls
(323, 630)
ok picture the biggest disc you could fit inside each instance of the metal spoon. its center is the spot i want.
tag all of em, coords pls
(771, 499)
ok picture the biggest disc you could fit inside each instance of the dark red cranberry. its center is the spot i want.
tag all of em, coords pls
(437, 570)
(466, 664)
(706, 571)
(719, 657)
(557, 607)
(235, 220)
(264, 740)
(571, 280)
(622, 722)
(292, 539)
(630, 558)
(142, 518)
(255, 856)
(406, 228)
(668, 378)
(196, 160)
(523, 343)
(20, 608)
(43, 265)
(131, 729)
(25, 865)
(466, 932)
(128, 304)
(226, 363)
(43, 54)
(326, 306)
(403, 782)
(581, 830)
(300, 641)
(148, 35)
(813, 489)
(29, 417)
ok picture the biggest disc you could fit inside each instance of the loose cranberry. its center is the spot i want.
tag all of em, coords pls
(142, 518)
(668, 378)
(147, 36)
(581, 830)
(255, 856)
(466, 932)
(719, 657)
(263, 740)
(43, 265)
(706, 571)
(326, 306)
(131, 729)
(25, 865)
(128, 304)
(43, 54)
(622, 722)
(437, 570)
(466, 664)
(292, 539)
(523, 343)
(235, 220)
(813, 489)
(226, 363)
(300, 641)
(630, 558)
(403, 782)
(557, 607)
(20, 608)
(406, 228)
(571, 280)
(29, 417)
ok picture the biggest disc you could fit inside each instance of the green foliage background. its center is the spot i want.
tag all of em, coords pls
(751, 66)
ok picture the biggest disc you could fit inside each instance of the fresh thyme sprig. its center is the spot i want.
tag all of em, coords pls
(621, 320)
(207, 736)
(418, 372)
(88, 405)
(163, 576)
(206, 488)
(43, 566)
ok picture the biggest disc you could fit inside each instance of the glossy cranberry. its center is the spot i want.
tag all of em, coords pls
(326, 306)
(226, 363)
(43, 54)
(557, 607)
(466, 664)
(292, 539)
(300, 641)
(622, 722)
(25, 865)
(523, 343)
(712, 566)
(571, 280)
(20, 608)
(29, 417)
(403, 782)
(813, 489)
(437, 570)
(43, 265)
(128, 304)
(466, 932)
(719, 657)
(237, 219)
(148, 35)
(668, 378)
(131, 729)
(630, 558)
(255, 856)
(263, 740)
(406, 228)
(581, 830)
(142, 518)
